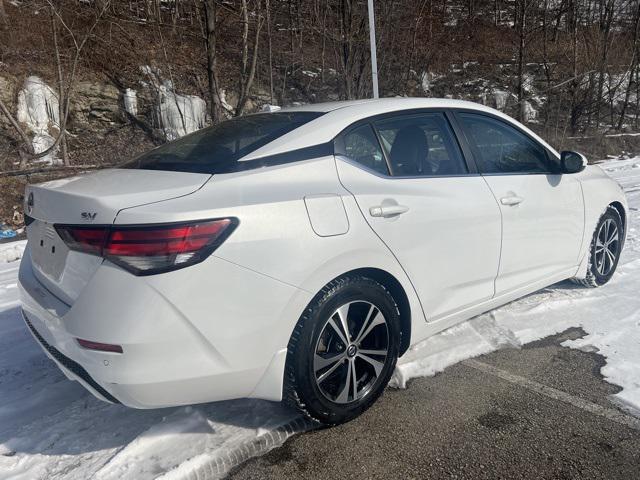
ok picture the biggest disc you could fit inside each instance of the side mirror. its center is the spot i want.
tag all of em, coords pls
(572, 162)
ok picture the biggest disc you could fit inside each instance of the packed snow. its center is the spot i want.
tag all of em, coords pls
(51, 428)
(38, 109)
(10, 252)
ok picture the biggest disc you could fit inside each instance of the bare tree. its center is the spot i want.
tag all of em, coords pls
(4, 20)
(248, 65)
(215, 103)
(270, 45)
(633, 65)
(606, 20)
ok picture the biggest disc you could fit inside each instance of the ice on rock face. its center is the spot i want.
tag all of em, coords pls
(500, 97)
(38, 105)
(223, 100)
(38, 109)
(530, 113)
(130, 101)
(180, 114)
(425, 82)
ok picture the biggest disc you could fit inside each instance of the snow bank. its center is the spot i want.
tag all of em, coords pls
(12, 251)
(38, 109)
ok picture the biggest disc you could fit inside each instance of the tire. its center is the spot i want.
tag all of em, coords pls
(604, 251)
(320, 359)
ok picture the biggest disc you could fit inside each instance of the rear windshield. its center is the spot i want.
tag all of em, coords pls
(218, 149)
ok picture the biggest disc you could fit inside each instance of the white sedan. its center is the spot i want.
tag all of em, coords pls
(295, 255)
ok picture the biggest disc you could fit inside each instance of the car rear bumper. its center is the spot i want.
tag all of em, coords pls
(183, 341)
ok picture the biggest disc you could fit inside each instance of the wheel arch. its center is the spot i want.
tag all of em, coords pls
(399, 294)
(623, 215)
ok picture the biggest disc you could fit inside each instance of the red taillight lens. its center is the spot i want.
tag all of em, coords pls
(84, 239)
(145, 250)
(164, 241)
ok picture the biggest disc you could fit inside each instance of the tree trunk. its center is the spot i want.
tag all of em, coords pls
(606, 18)
(632, 66)
(61, 111)
(248, 69)
(575, 82)
(522, 22)
(4, 20)
(268, 8)
(215, 104)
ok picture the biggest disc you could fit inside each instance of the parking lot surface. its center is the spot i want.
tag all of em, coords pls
(541, 411)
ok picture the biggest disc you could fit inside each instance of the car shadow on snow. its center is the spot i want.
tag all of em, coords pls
(42, 412)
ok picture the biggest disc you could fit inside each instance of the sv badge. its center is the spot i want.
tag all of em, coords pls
(89, 216)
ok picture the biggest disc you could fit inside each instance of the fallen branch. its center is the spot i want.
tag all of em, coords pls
(46, 169)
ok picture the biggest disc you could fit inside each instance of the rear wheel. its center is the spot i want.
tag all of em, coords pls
(343, 350)
(605, 249)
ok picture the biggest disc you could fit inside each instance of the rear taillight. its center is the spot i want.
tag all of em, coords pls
(84, 239)
(145, 250)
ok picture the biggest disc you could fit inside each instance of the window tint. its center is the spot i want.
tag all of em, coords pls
(420, 145)
(361, 145)
(500, 148)
(218, 149)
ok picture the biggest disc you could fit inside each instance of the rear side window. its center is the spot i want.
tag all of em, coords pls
(361, 146)
(420, 146)
(500, 148)
(219, 149)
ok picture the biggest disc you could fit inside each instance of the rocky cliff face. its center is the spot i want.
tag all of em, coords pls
(98, 107)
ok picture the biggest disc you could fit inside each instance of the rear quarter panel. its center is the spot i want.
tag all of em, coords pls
(275, 238)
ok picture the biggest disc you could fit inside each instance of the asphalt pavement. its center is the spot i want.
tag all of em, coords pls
(539, 412)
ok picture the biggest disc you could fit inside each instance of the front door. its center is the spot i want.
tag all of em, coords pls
(542, 210)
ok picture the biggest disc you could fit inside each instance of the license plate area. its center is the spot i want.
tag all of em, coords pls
(48, 251)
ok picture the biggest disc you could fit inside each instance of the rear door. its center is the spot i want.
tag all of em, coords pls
(415, 190)
(542, 210)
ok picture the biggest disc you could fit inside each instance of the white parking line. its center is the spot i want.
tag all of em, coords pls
(608, 413)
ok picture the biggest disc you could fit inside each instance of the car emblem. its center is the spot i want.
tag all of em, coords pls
(89, 216)
(30, 202)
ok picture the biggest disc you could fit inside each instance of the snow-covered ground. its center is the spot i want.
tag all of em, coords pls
(51, 428)
(10, 252)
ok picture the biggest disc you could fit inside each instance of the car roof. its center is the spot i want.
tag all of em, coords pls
(384, 104)
(339, 115)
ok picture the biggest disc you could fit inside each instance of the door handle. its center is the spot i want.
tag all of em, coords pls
(511, 200)
(388, 210)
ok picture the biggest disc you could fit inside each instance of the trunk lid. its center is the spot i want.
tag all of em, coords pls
(93, 199)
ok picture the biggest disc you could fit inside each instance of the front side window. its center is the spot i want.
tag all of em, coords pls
(361, 146)
(420, 145)
(500, 148)
(219, 149)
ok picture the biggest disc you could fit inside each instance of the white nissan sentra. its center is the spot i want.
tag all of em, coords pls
(296, 255)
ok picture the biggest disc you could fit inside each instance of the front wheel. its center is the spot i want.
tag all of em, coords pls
(343, 350)
(605, 249)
